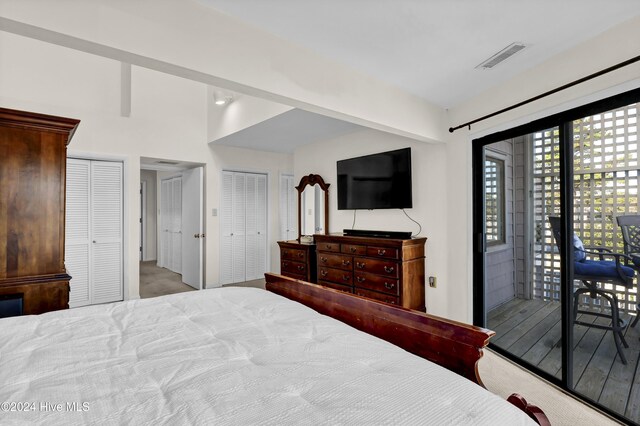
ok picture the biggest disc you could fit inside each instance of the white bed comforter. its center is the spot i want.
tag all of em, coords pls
(231, 356)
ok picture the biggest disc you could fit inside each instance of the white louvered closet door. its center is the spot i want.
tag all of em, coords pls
(238, 228)
(77, 229)
(226, 229)
(288, 208)
(176, 226)
(243, 227)
(261, 221)
(165, 220)
(106, 231)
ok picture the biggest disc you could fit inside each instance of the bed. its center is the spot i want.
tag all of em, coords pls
(242, 356)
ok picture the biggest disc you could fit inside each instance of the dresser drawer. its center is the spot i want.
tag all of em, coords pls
(383, 252)
(345, 288)
(334, 247)
(335, 275)
(378, 296)
(377, 283)
(335, 261)
(354, 249)
(293, 267)
(377, 266)
(294, 254)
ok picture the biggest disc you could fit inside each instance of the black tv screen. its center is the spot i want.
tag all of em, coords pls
(377, 181)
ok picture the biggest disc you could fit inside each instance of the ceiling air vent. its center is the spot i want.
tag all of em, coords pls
(501, 56)
(168, 163)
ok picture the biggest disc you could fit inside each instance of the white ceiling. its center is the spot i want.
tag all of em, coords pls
(286, 131)
(431, 47)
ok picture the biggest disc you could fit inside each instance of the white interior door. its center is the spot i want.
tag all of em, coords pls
(226, 229)
(238, 228)
(192, 227)
(243, 227)
(165, 220)
(106, 231)
(176, 226)
(77, 231)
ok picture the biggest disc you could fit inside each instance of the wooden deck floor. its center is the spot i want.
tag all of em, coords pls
(530, 329)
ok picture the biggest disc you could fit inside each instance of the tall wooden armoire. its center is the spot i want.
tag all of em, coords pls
(33, 158)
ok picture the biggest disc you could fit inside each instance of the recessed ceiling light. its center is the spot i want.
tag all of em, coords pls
(221, 98)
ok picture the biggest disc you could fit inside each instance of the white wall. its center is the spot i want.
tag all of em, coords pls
(150, 246)
(168, 115)
(429, 196)
(609, 48)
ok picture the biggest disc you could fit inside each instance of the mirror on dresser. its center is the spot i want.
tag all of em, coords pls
(298, 257)
(313, 206)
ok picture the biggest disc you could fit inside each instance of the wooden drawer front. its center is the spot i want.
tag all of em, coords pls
(377, 283)
(294, 254)
(378, 296)
(377, 266)
(345, 288)
(353, 249)
(335, 247)
(335, 275)
(293, 267)
(383, 252)
(335, 261)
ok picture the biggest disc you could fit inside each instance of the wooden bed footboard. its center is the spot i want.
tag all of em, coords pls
(451, 344)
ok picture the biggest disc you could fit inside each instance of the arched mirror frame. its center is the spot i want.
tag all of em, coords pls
(310, 180)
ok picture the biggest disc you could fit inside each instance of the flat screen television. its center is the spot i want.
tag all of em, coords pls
(377, 181)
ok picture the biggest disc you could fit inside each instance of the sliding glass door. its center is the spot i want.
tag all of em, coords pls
(557, 308)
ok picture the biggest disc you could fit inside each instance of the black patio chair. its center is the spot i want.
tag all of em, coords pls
(590, 273)
(630, 227)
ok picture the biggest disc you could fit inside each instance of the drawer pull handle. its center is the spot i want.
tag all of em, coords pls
(301, 254)
(389, 286)
(285, 264)
(345, 277)
(360, 265)
(381, 252)
(346, 262)
(393, 302)
(323, 259)
(389, 269)
(360, 279)
(323, 272)
(285, 251)
(328, 246)
(353, 249)
(300, 267)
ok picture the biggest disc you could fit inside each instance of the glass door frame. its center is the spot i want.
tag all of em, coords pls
(564, 122)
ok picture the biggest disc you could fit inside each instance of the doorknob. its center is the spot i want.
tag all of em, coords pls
(201, 235)
(196, 235)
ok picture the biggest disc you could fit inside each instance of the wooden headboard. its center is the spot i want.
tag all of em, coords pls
(452, 344)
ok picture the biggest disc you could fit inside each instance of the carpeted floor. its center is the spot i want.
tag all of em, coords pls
(503, 378)
(156, 281)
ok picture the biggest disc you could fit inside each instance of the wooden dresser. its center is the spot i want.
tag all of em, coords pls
(298, 260)
(389, 270)
(33, 156)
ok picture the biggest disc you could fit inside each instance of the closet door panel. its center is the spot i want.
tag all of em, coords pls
(251, 226)
(176, 222)
(293, 210)
(164, 223)
(226, 229)
(77, 235)
(106, 231)
(261, 221)
(238, 226)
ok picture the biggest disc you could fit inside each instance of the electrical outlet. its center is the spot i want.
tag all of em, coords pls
(432, 282)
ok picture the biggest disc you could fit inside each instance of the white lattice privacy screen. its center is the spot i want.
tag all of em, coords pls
(605, 185)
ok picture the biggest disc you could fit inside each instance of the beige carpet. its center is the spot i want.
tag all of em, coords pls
(156, 281)
(503, 378)
(259, 283)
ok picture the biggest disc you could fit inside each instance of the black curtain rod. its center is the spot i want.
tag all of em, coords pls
(550, 92)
